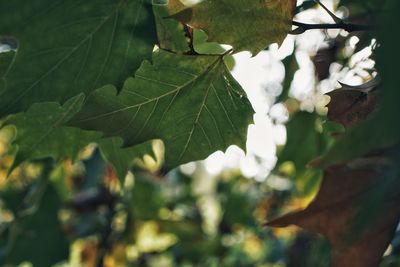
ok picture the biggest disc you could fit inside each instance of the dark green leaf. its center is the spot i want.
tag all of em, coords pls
(69, 47)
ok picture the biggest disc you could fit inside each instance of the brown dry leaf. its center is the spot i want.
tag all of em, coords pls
(338, 204)
(349, 107)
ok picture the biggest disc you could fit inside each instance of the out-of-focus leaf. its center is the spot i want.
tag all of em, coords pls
(69, 47)
(40, 134)
(307, 250)
(146, 190)
(365, 5)
(291, 66)
(356, 208)
(304, 142)
(382, 130)
(193, 242)
(323, 60)
(38, 238)
(246, 25)
(91, 198)
(237, 205)
(350, 107)
(95, 170)
(192, 103)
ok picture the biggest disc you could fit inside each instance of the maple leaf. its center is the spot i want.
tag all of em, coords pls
(192, 103)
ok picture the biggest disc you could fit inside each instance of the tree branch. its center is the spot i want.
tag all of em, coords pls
(349, 27)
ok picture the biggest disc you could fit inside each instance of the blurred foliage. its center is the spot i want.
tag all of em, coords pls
(154, 219)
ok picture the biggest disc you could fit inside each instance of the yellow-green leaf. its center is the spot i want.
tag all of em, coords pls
(247, 25)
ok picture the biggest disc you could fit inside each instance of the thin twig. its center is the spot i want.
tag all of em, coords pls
(349, 27)
(339, 24)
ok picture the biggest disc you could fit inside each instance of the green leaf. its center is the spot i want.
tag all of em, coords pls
(304, 142)
(38, 237)
(171, 34)
(246, 25)
(6, 59)
(69, 47)
(291, 66)
(201, 45)
(192, 103)
(147, 190)
(40, 134)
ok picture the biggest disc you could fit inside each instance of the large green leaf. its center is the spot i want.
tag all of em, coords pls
(245, 24)
(192, 103)
(40, 134)
(69, 47)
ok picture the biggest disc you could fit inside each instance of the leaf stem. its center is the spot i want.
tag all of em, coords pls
(349, 27)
